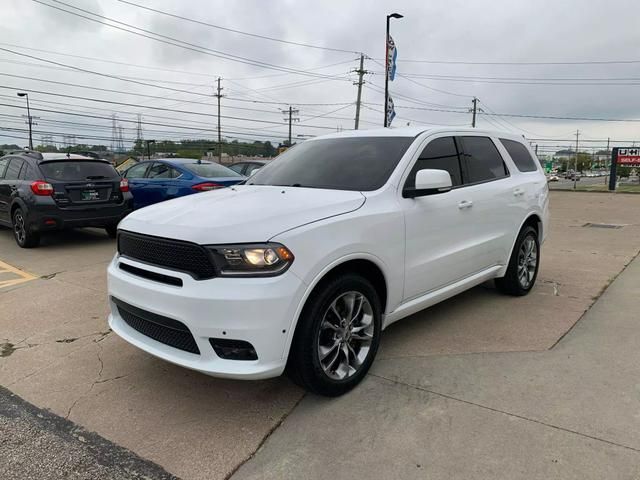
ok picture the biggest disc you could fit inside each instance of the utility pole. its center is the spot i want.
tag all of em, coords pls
(575, 173)
(219, 96)
(475, 108)
(291, 112)
(360, 71)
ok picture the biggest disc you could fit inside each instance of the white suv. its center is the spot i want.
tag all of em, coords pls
(303, 266)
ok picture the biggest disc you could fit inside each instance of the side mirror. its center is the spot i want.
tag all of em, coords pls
(429, 182)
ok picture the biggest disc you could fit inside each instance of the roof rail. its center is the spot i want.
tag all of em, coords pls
(26, 151)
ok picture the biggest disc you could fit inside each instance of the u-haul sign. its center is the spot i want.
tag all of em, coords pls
(629, 157)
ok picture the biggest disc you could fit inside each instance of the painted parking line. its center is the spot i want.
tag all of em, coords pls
(16, 275)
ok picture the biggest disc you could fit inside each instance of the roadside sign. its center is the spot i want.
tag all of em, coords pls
(624, 157)
(628, 157)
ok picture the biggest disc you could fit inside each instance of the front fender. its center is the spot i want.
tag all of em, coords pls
(317, 279)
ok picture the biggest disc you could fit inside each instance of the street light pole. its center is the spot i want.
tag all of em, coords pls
(149, 148)
(29, 120)
(386, 68)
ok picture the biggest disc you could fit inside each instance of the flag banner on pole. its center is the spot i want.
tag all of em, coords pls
(391, 112)
(392, 53)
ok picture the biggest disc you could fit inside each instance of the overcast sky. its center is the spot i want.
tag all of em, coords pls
(437, 30)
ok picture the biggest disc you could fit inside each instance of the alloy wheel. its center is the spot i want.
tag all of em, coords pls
(18, 227)
(527, 261)
(346, 334)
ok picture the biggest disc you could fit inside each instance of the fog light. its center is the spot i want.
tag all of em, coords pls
(233, 349)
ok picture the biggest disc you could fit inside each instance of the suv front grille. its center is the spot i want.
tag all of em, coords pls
(163, 252)
(161, 329)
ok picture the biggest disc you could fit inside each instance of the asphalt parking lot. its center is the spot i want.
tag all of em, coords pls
(480, 386)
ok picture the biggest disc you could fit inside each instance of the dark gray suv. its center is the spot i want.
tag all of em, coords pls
(51, 191)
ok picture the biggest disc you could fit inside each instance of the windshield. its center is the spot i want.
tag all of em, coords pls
(78, 170)
(347, 163)
(210, 170)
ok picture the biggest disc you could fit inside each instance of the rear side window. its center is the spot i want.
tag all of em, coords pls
(13, 170)
(162, 170)
(237, 167)
(78, 170)
(137, 171)
(482, 160)
(27, 172)
(439, 154)
(252, 167)
(3, 167)
(210, 170)
(520, 155)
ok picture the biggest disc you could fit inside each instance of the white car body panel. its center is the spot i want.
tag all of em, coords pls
(428, 249)
(239, 214)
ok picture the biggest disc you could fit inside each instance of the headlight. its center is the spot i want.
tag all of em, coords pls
(254, 260)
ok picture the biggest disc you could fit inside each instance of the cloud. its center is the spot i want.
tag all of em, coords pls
(479, 31)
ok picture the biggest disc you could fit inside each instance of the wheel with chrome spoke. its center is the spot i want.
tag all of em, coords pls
(523, 266)
(337, 336)
(346, 334)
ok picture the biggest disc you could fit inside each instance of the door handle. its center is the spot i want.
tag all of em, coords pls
(518, 191)
(465, 204)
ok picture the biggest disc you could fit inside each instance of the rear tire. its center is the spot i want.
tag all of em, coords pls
(523, 265)
(337, 336)
(112, 230)
(25, 237)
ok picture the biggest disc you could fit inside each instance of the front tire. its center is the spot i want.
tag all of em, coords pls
(523, 265)
(25, 238)
(337, 336)
(112, 230)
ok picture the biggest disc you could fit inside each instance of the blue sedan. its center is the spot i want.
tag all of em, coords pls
(154, 181)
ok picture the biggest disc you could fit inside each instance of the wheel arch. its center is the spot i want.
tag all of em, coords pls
(17, 203)
(532, 220)
(369, 266)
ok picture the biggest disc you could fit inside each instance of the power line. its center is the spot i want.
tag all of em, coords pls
(181, 43)
(148, 67)
(153, 108)
(264, 37)
(465, 62)
(427, 86)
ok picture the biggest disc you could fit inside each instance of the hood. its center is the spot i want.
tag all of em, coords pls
(241, 214)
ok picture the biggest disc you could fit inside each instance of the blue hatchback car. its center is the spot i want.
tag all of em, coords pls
(155, 181)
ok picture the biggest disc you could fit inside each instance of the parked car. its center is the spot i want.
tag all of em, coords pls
(302, 267)
(553, 178)
(248, 168)
(41, 192)
(155, 181)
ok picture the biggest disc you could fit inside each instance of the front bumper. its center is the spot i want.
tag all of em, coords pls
(256, 310)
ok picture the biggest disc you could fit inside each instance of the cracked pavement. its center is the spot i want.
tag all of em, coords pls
(449, 395)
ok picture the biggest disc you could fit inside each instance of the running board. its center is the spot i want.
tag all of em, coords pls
(420, 303)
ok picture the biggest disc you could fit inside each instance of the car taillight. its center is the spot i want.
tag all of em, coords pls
(203, 187)
(40, 187)
(124, 185)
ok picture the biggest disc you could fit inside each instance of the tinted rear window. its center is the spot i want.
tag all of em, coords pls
(520, 155)
(483, 160)
(13, 170)
(78, 170)
(210, 170)
(360, 163)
